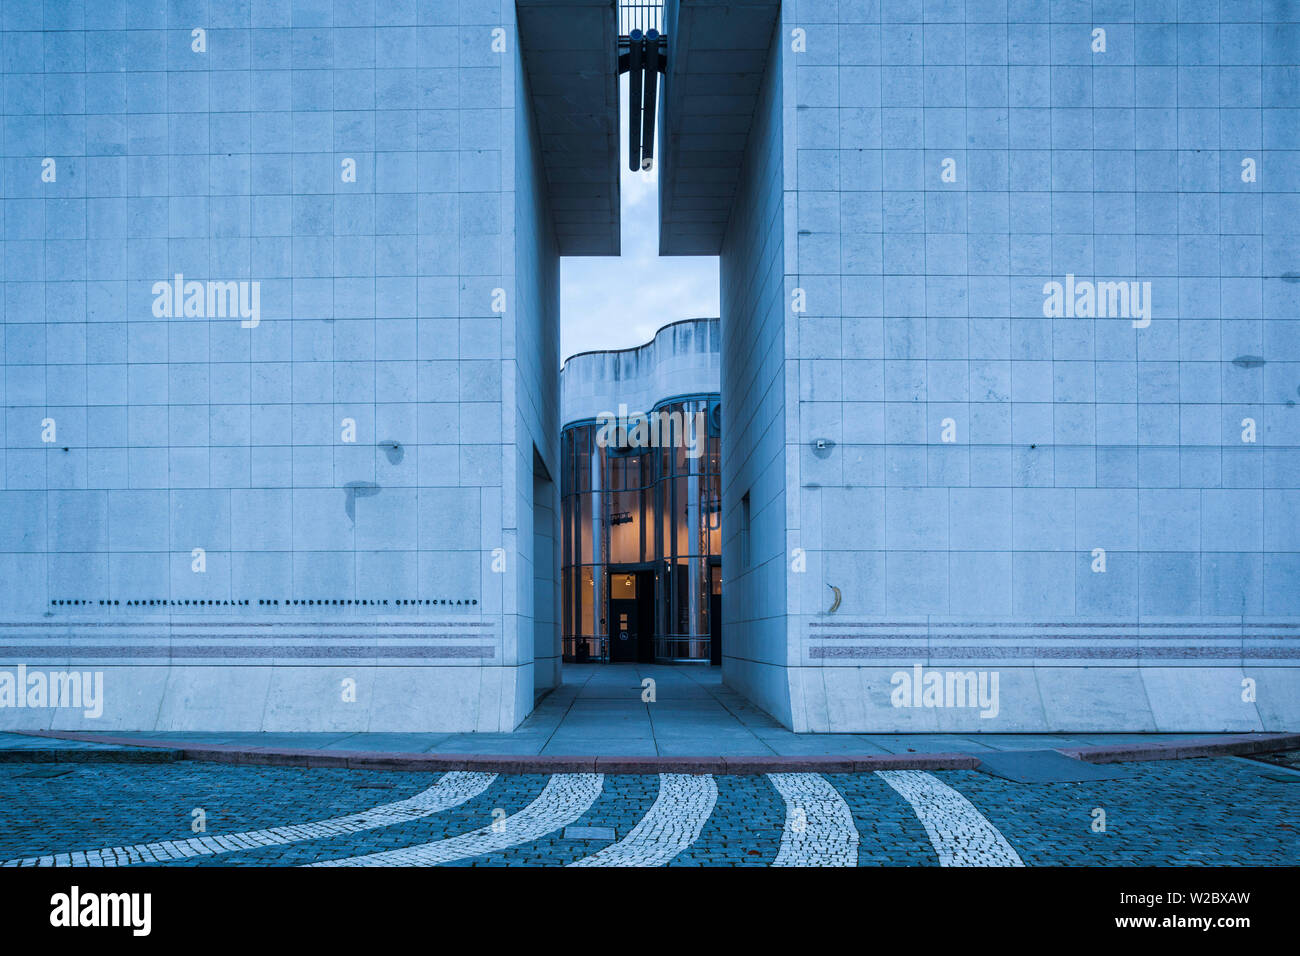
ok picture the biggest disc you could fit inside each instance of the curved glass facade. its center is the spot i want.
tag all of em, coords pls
(642, 524)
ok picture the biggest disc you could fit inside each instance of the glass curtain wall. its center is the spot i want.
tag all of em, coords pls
(655, 507)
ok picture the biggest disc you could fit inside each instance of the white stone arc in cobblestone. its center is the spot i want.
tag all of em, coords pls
(962, 836)
(451, 790)
(673, 823)
(819, 828)
(565, 798)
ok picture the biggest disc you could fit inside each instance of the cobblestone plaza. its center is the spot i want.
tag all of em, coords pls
(1166, 814)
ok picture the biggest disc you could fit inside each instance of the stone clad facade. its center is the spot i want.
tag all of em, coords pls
(323, 517)
(930, 457)
(1008, 355)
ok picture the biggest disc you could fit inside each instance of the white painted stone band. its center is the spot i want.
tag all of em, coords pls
(961, 835)
(451, 790)
(565, 798)
(673, 823)
(819, 829)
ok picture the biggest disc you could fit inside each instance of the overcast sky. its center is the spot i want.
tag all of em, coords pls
(612, 302)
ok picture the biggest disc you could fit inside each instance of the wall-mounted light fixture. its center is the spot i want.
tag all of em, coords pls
(821, 447)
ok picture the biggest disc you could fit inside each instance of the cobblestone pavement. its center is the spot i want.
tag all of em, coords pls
(1213, 811)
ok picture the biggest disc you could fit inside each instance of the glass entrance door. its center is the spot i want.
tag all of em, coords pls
(631, 615)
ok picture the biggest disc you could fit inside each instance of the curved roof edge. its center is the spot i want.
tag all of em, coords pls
(683, 358)
(644, 345)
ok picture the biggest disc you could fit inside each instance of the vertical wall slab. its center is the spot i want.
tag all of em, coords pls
(567, 203)
(1068, 495)
(321, 517)
(755, 382)
(1084, 489)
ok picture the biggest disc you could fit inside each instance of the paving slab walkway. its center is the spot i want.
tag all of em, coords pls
(598, 718)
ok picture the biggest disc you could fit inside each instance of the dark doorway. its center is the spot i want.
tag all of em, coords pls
(631, 616)
(715, 613)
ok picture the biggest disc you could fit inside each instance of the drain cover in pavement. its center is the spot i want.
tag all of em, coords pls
(588, 833)
(1045, 766)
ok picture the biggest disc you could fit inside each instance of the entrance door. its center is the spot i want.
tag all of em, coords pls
(631, 615)
(622, 630)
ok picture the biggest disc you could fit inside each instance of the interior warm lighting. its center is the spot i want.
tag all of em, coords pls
(659, 511)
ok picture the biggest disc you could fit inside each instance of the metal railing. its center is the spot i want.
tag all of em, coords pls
(640, 15)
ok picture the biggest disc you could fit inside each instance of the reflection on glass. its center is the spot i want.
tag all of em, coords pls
(659, 510)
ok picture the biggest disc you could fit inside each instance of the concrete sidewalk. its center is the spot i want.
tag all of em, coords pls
(597, 717)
